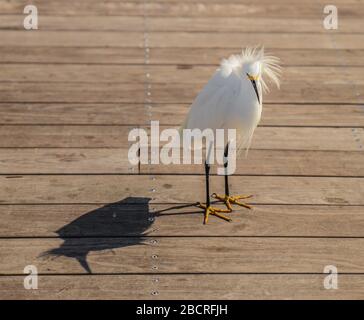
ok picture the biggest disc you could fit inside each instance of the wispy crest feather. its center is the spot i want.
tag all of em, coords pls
(270, 65)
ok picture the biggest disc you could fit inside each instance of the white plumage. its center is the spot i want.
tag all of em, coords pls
(229, 99)
(232, 99)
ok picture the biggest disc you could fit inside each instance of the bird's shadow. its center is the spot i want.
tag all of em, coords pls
(115, 225)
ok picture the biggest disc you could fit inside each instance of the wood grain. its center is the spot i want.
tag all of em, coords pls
(85, 161)
(179, 56)
(246, 9)
(182, 255)
(84, 55)
(120, 219)
(199, 287)
(71, 92)
(279, 162)
(172, 189)
(271, 40)
(78, 113)
(115, 161)
(65, 136)
(190, 24)
(283, 138)
(277, 114)
(25, 38)
(305, 92)
(180, 39)
(114, 92)
(298, 76)
(313, 57)
(172, 114)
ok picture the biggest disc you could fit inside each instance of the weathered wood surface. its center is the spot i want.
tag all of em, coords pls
(190, 24)
(172, 114)
(182, 255)
(159, 74)
(115, 161)
(67, 160)
(70, 93)
(179, 56)
(120, 219)
(279, 162)
(283, 138)
(19, 38)
(189, 286)
(70, 39)
(272, 40)
(172, 189)
(351, 9)
(116, 92)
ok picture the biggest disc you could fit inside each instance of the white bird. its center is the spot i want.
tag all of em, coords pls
(232, 99)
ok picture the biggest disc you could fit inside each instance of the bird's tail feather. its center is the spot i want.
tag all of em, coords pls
(58, 252)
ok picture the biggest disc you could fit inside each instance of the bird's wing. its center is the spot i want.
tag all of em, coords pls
(209, 109)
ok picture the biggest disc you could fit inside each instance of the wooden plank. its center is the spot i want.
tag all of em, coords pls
(266, 9)
(298, 84)
(70, 39)
(102, 55)
(68, 92)
(304, 92)
(283, 138)
(273, 114)
(85, 161)
(180, 56)
(73, 73)
(172, 114)
(182, 255)
(172, 189)
(193, 74)
(270, 40)
(279, 162)
(186, 24)
(248, 24)
(180, 39)
(78, 23)
(313, 57)
(115, 161)
(198, 287)
(176, 74)
(65, 136)
(82, 8)
(79, 113)
(119, 219)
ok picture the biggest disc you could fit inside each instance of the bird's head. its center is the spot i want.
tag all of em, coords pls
(255, 66)
(253, 73)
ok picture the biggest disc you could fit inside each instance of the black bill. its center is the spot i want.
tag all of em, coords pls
(255, 89)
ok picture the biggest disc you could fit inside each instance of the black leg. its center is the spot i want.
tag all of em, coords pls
(226, 198)
(209, 210)
(226, 152)
(207, 175)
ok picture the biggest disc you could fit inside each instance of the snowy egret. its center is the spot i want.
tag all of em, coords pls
(232, 99)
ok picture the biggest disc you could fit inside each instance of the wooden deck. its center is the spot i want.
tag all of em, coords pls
(71, 91)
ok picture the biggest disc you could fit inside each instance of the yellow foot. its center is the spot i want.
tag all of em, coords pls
(213, 211)
(228, 200)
